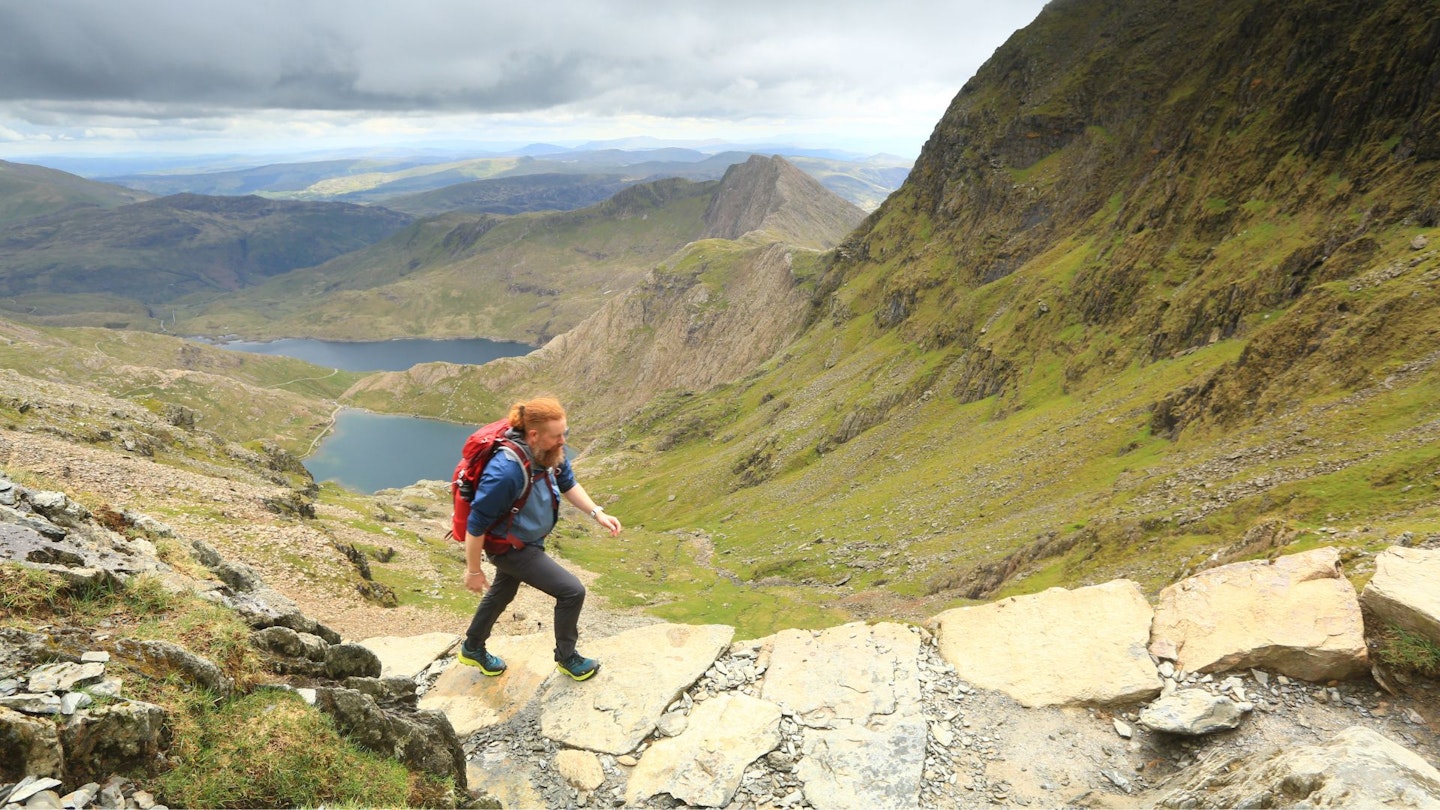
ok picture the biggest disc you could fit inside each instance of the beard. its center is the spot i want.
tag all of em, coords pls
(551, 457)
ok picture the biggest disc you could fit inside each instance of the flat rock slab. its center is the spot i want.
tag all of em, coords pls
(1059, 647)
(704, 764)
(642, 672)
(857, 689)
(844, 675)
(1296, 615)
(408, 656)
(472, 700)
(502, 776)
(865, 767)
(1405, 590)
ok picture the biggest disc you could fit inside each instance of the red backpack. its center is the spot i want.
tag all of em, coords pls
(480, 447)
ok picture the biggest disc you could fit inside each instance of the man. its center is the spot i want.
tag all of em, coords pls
(539, 428)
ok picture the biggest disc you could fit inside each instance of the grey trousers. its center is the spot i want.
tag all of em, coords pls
(532, 566)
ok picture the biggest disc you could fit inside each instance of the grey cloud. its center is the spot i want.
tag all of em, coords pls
(691, 58)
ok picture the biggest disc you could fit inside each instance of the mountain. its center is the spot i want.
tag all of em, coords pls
(528, 277)
(380, 180)
(705, 315)
(92, 260)
(28, 191)
(1130, 315)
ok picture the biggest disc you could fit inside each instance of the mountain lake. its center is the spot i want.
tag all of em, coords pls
(385, 355)
(367, 451)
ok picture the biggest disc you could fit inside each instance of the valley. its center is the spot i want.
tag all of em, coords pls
(1127, 317)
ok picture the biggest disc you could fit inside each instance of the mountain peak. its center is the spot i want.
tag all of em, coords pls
(770, 194)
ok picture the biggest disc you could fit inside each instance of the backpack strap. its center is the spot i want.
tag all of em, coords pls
(499, 542)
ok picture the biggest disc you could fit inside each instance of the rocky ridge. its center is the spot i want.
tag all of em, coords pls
(881, 714)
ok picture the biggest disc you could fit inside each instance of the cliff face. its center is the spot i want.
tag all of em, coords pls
(1192, 166)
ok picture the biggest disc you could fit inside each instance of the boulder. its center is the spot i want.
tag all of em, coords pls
(1295, 615)
(581, 769)
(29, 746)
(619, 706)
(350, 660)
(1405, 591)
(1357, 768)
(704, 764)
(424, 741)
(1059, 647)
(115, 738)
(1191, 712)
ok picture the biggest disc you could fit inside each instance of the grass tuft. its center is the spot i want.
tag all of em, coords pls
(1409, 651)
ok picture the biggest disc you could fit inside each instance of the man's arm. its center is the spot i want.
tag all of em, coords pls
(580, 499)
(494, 494)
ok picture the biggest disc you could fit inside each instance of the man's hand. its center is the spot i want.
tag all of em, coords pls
(609, 521)
(476, 581)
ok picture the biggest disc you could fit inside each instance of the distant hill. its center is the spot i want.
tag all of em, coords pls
(863, 181)
(275, 179)
(512, 195)
(529, 277)
(29, 191)
(153, 252)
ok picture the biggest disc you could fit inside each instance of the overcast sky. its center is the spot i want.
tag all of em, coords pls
(109, 76)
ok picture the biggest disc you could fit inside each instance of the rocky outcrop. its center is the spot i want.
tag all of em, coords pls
(1358, 768)
(1085, 646)
(1295, 614)
(65, 719)
(1405, 591)
(425, 741)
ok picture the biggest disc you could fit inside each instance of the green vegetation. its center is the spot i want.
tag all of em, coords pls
(268, 749)
(453, 275)
(260, 749)
(1408, 651)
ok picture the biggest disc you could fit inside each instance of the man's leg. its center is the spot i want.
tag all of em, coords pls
(497, 598)
(537, 569)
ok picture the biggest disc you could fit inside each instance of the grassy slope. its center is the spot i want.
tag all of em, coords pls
(31, 191)
(523, 278)
(244, 397)
(1056, 358)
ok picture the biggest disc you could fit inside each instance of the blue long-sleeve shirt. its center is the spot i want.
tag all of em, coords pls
(500, 485)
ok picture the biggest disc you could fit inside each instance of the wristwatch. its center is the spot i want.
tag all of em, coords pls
(597, 510)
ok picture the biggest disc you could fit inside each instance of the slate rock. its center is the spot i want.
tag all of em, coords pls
(1191, 712)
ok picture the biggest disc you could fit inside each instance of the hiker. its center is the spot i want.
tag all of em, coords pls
(537, 430)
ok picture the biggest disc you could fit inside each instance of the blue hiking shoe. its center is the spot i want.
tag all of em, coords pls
(486, 662)
(578, 666)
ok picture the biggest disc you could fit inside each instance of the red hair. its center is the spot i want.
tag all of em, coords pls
(532, 413)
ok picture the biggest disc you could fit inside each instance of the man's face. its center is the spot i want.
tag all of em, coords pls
(548, 441)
